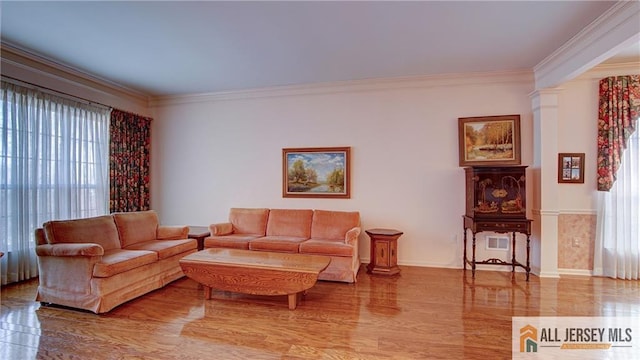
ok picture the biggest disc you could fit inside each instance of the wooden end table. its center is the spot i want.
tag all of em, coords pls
(384, 251)
(199, 233)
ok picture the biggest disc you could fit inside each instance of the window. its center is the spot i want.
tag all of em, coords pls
(53, 165)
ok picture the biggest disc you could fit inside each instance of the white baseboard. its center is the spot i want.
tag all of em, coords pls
(579, 272)
(505, 268)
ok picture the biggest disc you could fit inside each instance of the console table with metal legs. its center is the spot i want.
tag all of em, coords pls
(512, 226)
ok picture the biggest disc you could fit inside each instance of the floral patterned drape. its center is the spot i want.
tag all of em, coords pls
(618, 112)
(129, 161)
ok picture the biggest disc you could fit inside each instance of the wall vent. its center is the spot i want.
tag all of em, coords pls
(497, 242)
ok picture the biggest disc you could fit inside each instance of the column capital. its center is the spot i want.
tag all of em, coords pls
(545, 98)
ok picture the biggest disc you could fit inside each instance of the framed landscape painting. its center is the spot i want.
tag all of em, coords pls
(489, 140)
(316, 172)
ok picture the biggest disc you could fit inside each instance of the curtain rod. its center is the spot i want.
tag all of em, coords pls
(50, 91)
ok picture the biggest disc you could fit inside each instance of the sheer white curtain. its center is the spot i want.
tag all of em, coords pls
(617, 251)
(54, 157)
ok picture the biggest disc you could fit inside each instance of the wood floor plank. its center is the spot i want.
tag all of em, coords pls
(425, 313)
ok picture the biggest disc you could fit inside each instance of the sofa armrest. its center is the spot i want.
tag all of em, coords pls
(165, 232)
(65, 272)
(351, 237)
(221, 229)
(70, 249)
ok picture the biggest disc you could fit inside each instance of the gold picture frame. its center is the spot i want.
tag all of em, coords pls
(489, 140)
(571, 168)
(316, 172)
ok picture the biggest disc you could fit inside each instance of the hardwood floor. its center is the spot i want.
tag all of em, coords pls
(424, 313)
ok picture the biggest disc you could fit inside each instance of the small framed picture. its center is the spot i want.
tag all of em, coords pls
(571, 168)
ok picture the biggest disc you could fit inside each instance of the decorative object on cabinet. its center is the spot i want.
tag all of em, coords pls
(496, 202)
(316, 172)
(571, 168)
(495, 192)
(384, 251)
(489, 140)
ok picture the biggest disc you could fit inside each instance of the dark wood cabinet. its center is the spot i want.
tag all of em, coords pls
(496, 202)
(496, 192)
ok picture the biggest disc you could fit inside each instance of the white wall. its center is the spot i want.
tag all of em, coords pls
(577, 133)
(210, 153)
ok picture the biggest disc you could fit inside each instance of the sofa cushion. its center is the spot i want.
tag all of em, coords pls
(99, 230)
(289, 222)
(165, 248)
(233, 241)
(165, 232)
(117, 261)
(249, 221)
(326, 247)
(276, 243)
(136, 226)
(333, 225)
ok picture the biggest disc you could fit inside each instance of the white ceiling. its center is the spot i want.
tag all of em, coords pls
(171, 47)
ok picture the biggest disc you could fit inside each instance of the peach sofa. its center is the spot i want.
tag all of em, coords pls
(321, 232)
(101, 262)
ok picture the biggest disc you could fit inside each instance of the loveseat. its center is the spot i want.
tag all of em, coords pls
(321, 232)
(101, 262)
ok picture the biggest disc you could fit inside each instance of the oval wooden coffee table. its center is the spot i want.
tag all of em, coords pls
(254, 272)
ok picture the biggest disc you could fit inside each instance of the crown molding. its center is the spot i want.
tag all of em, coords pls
(613, 31)
(39, 70)
(605, 70)
(28, 62)
(380, 84)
